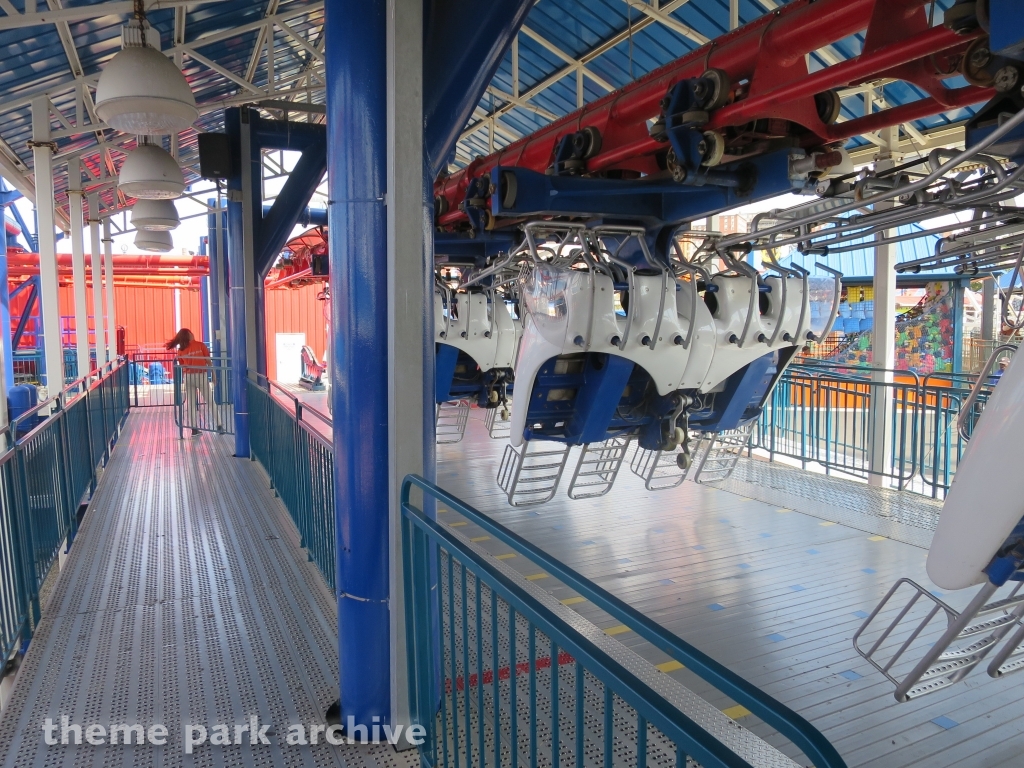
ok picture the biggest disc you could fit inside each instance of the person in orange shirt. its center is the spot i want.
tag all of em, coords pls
(193, 358)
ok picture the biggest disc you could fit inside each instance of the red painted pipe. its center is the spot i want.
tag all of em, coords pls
(153, 263)
(856, 70)
(915, 110)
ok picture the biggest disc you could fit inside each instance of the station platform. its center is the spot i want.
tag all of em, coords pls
(187, 599)
(771, 573)
(184, 600)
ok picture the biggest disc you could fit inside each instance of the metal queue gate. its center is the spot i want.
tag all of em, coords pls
(202, 398)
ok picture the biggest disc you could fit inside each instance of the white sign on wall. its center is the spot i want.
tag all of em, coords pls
(289, 357)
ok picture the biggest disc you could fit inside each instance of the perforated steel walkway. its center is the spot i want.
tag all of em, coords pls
(771, 574)
(185, 600)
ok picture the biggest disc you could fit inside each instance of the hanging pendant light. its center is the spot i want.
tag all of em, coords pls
(155, 215)
(150, 173)
(156, 240)
(141, 91)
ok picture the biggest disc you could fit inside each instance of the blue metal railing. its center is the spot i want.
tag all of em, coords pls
(460, 605)
(824, 414)
(293, 445)
(49, 465)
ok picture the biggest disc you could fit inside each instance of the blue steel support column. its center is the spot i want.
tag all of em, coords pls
(357, 133)
(213, 253)
(5, 324)
(237, 344)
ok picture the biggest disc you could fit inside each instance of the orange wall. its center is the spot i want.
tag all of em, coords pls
(295, 310)
(147, 315)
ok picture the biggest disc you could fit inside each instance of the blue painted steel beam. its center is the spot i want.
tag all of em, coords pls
(655, 203)
(216, 288)
(5, 323)
(464, 43)
(357, 173)
(26, 313)
(458, 247)
(236, 300)
(310, 217)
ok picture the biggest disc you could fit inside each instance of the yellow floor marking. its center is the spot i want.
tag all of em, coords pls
(784, 511)
(670, 666)
(480, 538)
(506, 556)
(619, 630)
(536, 576)
(574, 600)
(827, 522)
(736, 712)
(459, 523)
(876, 538)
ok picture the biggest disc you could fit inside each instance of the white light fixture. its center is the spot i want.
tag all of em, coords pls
(155, 215)
(141, 91)
(154, 240)
(150, 173)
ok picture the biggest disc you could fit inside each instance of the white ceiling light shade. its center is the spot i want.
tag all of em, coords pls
(150, 173)
(156, 240)
(155, 215)
(141, 91)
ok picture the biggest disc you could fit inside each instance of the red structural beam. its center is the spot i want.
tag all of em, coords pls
(767, 59)
(162, 264)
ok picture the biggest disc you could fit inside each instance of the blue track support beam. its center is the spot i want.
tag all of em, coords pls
(26, 313)
(310, 217)
(455, 75)
(216, 287)
(5, 323)
(236, 271)
(276, 227)
(653, 202)
(357, 171)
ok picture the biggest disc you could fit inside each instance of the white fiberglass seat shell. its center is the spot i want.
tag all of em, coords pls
(570, 311)
(739, 341)
(986, 499)
(482, 329)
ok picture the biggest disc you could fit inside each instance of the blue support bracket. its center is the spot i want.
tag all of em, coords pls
(521, 192)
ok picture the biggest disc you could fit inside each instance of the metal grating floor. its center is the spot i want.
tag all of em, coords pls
(771, 573)
(185, 599)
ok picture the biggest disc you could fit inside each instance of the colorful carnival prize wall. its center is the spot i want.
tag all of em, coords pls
(924, 335)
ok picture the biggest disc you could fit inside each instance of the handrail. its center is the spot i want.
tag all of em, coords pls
(299, 407)
(651, 706)
(968, 406)
(787, 722)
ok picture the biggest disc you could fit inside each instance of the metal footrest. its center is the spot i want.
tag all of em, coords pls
(531, 476)
(717, 453)
(452, 418)
(499, 422)
(661, 470)
(597, 468)
(949, 644)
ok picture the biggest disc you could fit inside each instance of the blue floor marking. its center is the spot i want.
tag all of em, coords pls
(868, 570)
(850, 675)
(743, 565)
(716, 607)
(860, 614)
(945, 722)
(812, 552)
(776, 638)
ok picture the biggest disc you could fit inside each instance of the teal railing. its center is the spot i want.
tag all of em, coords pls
(292, 441)
(49, 465)
(496, 676)
(825, 414)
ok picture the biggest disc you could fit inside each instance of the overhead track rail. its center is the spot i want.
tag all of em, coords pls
(700, 120)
